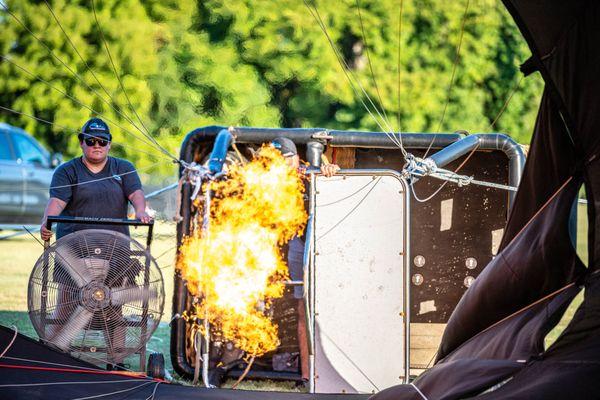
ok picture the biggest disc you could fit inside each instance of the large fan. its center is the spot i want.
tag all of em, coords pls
(97, 294)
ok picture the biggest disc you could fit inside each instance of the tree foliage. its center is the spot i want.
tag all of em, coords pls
(261, 63)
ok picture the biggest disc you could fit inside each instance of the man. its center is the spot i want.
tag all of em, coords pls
(94, 185)
(295, 253)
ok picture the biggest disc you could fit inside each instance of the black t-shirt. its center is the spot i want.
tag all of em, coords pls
(106, 194)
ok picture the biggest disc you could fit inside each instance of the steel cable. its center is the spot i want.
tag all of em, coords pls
(350, 76)
(77, 101)
(122, 86)
(66, 35)
(73, 73)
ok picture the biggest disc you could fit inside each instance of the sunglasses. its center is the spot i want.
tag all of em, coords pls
(91, 142)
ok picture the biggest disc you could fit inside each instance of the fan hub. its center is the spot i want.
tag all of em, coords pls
(98, 295)
(95, 296)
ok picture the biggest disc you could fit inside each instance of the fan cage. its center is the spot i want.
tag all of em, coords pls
(97, 294)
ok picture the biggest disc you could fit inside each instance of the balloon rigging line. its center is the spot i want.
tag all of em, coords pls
(355, 365)
(399, 65)
(76, 131)
(121, 82)
(348, 196)
(453, 75)
(151, 397)
(94, 180)
(73, 73)
(368, 52)
(454, 65)
(354, 81)
(351, 211)
(66, 35)
(76, 101)
(350, 76)
(67, 383)
(113, 393)
(505, 105)
(462, 164)
(74, 369)
(11, 341)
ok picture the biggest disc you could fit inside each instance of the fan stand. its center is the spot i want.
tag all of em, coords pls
(99, 294)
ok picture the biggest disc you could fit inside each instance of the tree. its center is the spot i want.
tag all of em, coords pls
(43, 75)
(261, 63)
(311, 88)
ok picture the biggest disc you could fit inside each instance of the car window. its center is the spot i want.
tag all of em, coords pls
(28, 151)
(5, 153)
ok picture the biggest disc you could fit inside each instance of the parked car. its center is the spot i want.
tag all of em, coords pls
(25, 174)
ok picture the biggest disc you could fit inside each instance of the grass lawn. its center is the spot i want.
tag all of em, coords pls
(19, 254)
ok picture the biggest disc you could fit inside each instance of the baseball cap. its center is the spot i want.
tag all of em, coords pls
(97, 128)
(285, 146)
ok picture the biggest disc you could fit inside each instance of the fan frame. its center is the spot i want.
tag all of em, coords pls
(44, 321)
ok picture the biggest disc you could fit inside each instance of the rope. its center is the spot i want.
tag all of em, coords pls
(165, 151)
(161, 191)
(351, 211)
(241, 378)
(93, 180)
(362, 28)
(49, 363)
(77, 101)
(418, 391)
(73, 73)
(439, 177)
(348, 73)
(74, 371)
(399, 65)
(451, 84)
(66, 35)
(505, 105)
(67, 383)
(412, 189)
(113, 393)
(321, 331)
(151, 397)
(346, 197)
(11, 341)
(74, 131)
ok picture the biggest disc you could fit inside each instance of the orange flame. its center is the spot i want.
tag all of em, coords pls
(237, 264)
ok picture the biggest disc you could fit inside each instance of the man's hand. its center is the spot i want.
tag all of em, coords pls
(329, 170)
(139, 205)
(143, 216)
(45, 233)
(55, 207)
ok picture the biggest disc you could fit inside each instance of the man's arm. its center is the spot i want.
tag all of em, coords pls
(139, 205)
(54, 207)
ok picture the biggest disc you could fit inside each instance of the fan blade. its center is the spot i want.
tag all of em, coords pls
(132, 294)
(74, 265)
(98, 268)
(79, 320)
